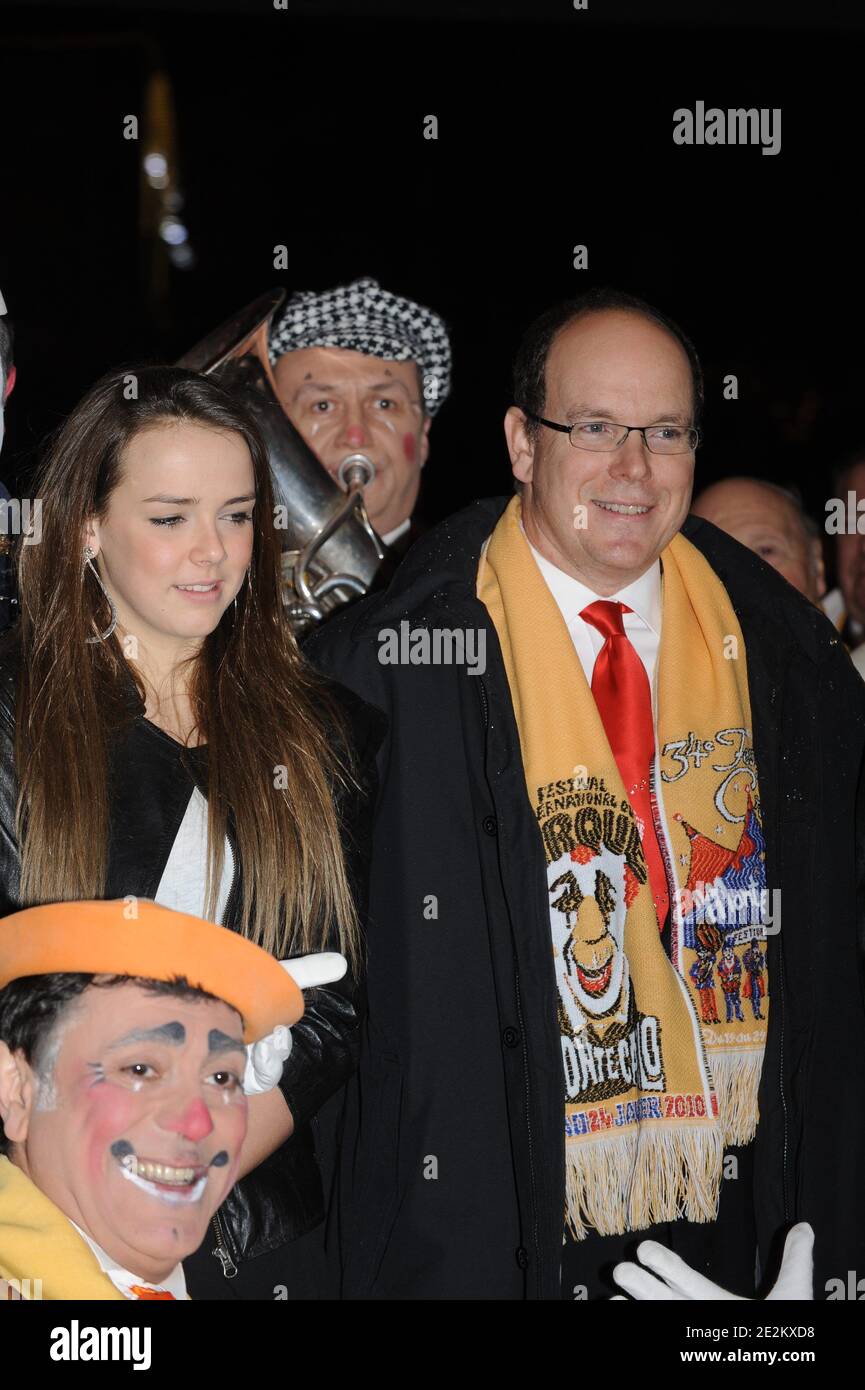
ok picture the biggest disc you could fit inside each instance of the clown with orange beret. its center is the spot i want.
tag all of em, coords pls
(130, 1037)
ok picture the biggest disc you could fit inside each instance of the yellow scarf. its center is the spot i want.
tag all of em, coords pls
(38, 1242)
(661, 1061)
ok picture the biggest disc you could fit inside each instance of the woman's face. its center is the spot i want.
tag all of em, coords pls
(177, 536)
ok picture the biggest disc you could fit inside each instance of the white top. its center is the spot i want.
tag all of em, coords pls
(123, 1280)
(834, 607)
(183, 885)
(397, 531)
(642, 626)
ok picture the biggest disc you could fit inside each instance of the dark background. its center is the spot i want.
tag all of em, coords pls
(305, 128)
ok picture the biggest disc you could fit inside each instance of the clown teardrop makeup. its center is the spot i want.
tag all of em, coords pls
(144, 1138)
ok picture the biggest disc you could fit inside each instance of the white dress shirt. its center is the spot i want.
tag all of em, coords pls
(642, 626)
(123, 1281)
(397, 531)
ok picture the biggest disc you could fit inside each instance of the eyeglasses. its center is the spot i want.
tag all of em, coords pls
(602, 436)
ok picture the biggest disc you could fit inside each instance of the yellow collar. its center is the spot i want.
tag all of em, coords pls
(37, 1242)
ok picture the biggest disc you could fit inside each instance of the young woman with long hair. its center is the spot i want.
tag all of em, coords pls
(162, 737)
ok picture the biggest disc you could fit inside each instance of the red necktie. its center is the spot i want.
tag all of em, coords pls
(141, 1291)
(621, 690)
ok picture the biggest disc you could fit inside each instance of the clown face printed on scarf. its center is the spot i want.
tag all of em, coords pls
(587, 889)
(132, 1120)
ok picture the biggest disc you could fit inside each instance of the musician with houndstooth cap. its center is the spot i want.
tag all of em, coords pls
(361, 370)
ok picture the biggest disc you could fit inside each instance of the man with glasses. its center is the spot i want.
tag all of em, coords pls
(575, 845)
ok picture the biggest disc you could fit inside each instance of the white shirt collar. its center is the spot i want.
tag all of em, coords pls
(643, 595)
(123, 1280)
(399, 531)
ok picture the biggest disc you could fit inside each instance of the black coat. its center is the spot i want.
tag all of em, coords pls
(151, 780)
(452, 1180)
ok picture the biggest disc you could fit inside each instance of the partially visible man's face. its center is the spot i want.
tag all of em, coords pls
(136, 1132)
(767, 523)
(851, 551)
(343, 402)
(613, 366)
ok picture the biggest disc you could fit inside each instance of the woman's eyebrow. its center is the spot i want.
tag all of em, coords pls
(193, 501)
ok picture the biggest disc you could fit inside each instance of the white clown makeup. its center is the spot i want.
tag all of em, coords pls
(149, 1116)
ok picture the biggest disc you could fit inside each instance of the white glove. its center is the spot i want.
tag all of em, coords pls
(676, 1281)
(265, 1058)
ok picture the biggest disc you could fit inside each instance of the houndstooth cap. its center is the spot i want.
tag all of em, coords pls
(364, 317)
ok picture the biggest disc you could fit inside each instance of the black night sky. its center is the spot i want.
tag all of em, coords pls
(303, 127)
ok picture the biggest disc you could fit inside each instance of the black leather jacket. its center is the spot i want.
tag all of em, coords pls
(151, 780)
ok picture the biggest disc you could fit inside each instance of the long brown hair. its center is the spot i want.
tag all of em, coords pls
(277, 751)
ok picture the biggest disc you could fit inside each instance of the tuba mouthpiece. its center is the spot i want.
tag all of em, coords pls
(356, 471)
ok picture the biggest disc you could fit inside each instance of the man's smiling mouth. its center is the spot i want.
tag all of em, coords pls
(164, 1180)
(162, 1172)
(624, 508)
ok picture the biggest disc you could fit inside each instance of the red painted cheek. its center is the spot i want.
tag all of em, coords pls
(409, 447)
(108, 1113)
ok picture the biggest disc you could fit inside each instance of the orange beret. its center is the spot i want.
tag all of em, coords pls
(141, 938)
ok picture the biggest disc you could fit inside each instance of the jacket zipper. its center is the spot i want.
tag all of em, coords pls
(524, 1049)
(529, 1129)
(229, 1268)
(781, 1069)
(483, 695)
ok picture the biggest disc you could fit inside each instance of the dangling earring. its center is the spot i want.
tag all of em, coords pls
(103, 636)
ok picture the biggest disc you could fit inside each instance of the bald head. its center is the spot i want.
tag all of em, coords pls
(769, 522)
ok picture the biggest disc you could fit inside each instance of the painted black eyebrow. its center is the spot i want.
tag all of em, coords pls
(217, 1041)
(173, 1033)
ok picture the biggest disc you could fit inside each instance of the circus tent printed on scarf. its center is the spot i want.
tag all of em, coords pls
(725, 888)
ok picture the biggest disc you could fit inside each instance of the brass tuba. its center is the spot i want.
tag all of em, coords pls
(330, 551)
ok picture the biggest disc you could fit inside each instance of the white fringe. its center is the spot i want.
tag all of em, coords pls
(736, 1078)
(650, 1173)
(660, 1172)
